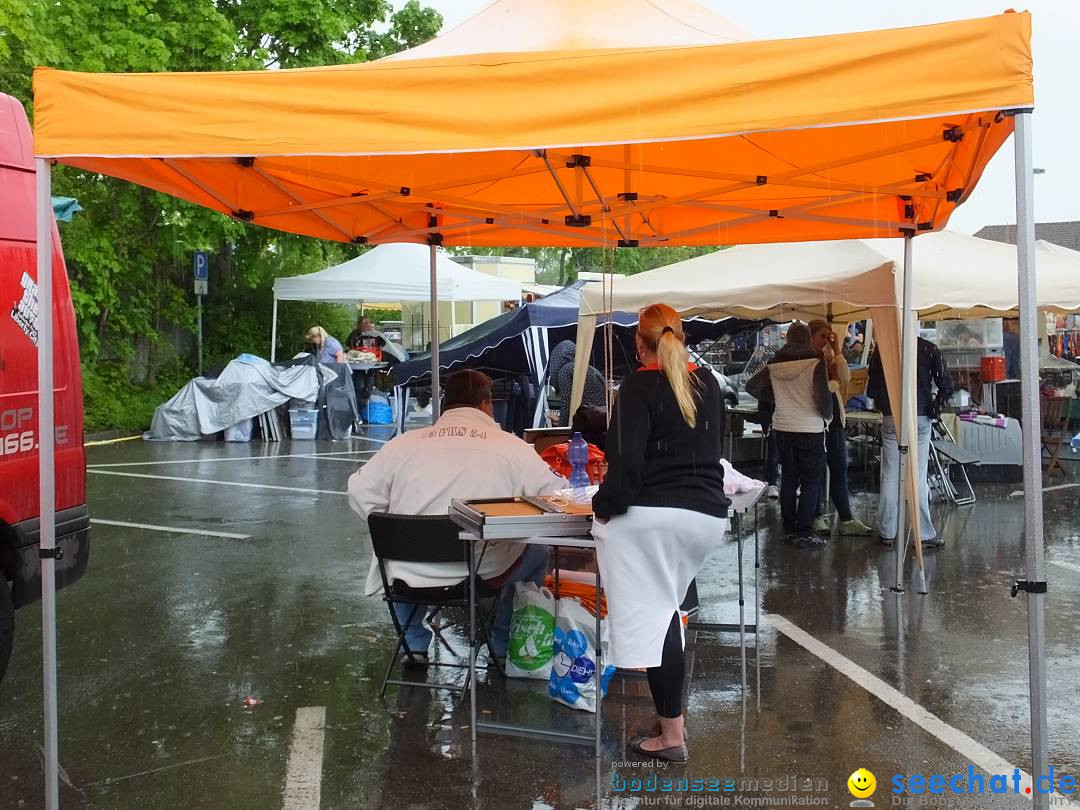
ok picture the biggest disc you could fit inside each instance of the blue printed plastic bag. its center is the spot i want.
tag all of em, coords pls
(573, 665)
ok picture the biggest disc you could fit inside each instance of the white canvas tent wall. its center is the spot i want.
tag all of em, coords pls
(392, 272)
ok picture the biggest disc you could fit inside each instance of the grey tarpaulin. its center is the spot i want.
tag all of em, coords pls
(247, 387)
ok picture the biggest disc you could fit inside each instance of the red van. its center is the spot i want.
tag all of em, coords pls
(20, 578)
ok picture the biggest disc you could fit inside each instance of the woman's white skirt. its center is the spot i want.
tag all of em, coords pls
(647, 560)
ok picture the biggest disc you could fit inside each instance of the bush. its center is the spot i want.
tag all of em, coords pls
(113, 402)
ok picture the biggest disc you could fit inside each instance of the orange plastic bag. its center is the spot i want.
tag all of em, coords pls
(555, 456)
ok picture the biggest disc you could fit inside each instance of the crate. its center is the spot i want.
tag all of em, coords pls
(303, 422)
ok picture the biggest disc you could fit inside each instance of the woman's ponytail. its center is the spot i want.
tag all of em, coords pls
(661, 329)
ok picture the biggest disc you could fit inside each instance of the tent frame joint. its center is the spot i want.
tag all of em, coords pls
(578, 162)
(578, 220)
(953, 134)
(244, 215)
(1027, 587)
(54, 553)
(1011, 113)
(631, 243)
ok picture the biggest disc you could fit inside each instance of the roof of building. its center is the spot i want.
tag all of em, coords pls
(1066, 234)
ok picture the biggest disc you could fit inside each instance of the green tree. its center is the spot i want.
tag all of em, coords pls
(129, 253)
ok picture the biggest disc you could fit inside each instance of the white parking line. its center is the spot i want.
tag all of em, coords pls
(1019, 492)
(960, 742)
(219, 483)
(236, 458)
(169, 529)
(303, 774)
(1070, 566)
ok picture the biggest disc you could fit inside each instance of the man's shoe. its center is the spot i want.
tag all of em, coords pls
(810, 541)
(886, 541)
(773, 492)
(822, 525)
(934, 542)
(855, 527)
(414, 660)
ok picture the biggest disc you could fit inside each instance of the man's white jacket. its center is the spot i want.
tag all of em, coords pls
(463, 455)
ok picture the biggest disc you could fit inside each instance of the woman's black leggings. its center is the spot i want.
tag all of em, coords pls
(666, 680)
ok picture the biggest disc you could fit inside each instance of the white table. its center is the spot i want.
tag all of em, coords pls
(741, 505)
(510, 728)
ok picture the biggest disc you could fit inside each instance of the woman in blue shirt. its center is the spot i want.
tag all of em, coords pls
(326, 348)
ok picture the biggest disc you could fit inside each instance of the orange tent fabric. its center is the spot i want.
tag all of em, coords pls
(855, 135)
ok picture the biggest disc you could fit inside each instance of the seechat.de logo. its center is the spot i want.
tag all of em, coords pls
(861, 785)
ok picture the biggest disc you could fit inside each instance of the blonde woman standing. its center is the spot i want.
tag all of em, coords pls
(325, 347)
(659, 512)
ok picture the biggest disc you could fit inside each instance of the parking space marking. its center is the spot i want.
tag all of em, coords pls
(219, 483)
(960, 742)
(170, 529)
(1019, 492)
(235, 458)
(1070, 566)
(303, 774)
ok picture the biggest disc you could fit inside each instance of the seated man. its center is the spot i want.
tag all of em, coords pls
(464, 455)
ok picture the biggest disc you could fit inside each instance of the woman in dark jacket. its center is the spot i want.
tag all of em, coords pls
(659, 512)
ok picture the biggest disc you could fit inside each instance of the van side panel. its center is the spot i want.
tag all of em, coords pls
(18, 372)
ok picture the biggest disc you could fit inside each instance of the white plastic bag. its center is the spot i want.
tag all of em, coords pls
(573, 667)
(532, 633)
(240, 432)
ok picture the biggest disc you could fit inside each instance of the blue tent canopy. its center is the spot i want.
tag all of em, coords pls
(519, 341)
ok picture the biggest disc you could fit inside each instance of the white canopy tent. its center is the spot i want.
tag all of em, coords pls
(392, 272)
(951, 276)
(954, 276)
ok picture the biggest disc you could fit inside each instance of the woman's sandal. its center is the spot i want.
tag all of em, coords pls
(676, 753)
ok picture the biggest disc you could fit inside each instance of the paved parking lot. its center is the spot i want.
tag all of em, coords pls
(219, 654)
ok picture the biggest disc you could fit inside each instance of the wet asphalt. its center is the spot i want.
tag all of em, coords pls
(170, 636)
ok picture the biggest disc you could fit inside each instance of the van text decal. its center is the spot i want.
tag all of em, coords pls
(24, 312)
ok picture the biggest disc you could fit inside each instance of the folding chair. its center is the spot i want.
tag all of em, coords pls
(944, 454)
(1055, 413)
(426, 539)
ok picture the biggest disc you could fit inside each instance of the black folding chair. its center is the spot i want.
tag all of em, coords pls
(426, 539)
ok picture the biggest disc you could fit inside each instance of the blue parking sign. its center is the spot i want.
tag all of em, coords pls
(202, 265)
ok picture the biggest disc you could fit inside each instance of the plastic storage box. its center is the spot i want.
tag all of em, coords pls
(968, 336)
(303, 422)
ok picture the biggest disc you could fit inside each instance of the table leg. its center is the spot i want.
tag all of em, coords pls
(742, 618)
(599, 663)
(472, 639)
(757, 615)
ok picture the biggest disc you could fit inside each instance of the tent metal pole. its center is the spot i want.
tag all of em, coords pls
(434, 335)
(47, 479)
(273, 333)
(900, 424)
(1035, 584)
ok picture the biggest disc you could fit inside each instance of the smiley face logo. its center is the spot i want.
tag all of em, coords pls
(861, 783)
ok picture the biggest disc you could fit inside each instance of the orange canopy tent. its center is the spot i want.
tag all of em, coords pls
(597, 144)
(555, 122)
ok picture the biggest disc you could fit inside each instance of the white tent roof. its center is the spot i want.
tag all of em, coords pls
(396, 272)
(954, 276)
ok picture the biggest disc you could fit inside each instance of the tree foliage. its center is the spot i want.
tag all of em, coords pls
(129, 253)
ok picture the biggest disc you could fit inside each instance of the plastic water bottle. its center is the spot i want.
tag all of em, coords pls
(578, 456)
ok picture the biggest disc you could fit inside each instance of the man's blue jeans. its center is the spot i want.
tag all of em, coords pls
(531, 566)
(888, 499)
